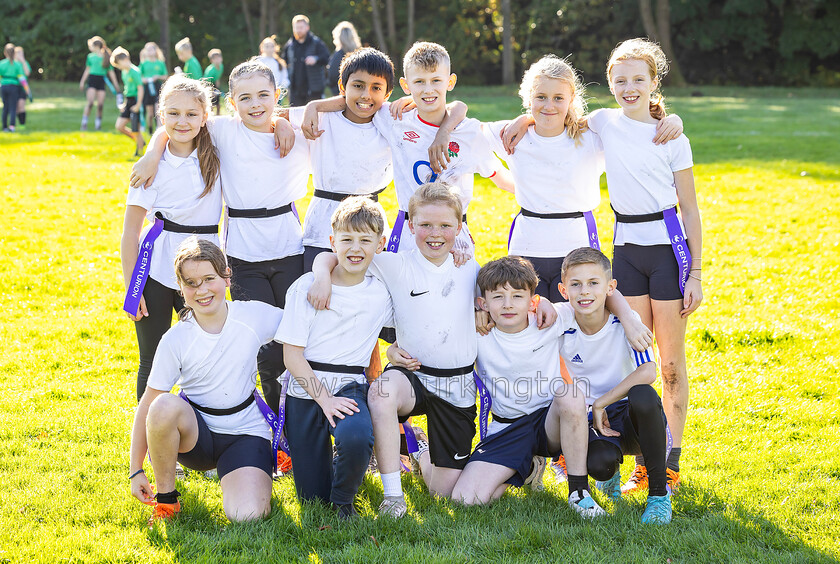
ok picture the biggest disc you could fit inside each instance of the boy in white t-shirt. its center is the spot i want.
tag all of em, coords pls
(627, 415)
(435, 321)
(327, 352)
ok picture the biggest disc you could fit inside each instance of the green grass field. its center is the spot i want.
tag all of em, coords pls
(760, 461)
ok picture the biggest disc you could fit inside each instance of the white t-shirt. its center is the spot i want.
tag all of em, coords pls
(551, 175)
(219, 371)
(597, 363)
(410, 139)
(640, 175)
(281, 75)
(175, 193)
(520, 370)
(435, 317)
(344, 334)
(254, 176)
(348, 158)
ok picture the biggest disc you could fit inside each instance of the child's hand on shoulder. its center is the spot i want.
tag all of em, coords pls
(309, 124)
(513, 132)
(439, 151)
(401, 357)
(546, 314)
(692, 297)
(638, 334)
(399, 107)
(319, 293)
(668, 129)
(337, 407)
(601, 422)
(143, 172)
(284, 137)
(483, 322)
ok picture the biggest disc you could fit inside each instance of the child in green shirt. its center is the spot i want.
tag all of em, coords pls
(184, 50)
(132, 82)
(153, 71)
(213, 75)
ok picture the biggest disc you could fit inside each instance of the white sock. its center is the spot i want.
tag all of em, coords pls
(391, 484)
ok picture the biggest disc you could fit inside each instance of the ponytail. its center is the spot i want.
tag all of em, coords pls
(106, 58)
(208, 160)
(657, 106)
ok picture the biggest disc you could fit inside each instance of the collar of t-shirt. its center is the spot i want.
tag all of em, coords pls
(175, 161)
(432, 267)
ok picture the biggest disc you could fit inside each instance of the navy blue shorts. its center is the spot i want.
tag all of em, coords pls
(515, 445)
(618, 414)
(227, 453)
(647, 270)
(451, 428)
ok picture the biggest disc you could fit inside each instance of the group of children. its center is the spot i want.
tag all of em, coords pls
(458, 330)
(138, 100)
(14, 86)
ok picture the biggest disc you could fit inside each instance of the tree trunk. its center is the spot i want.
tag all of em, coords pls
(658, 28)
(507, 44)
(263, 27)
(377, 26)
(648, 22)
(246, 12)
(165, 42)
(409, 32)
(392, 26)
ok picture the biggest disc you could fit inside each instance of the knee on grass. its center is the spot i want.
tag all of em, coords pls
(246, 509)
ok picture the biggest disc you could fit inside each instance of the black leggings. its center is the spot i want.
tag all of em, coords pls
(548, 269)
(644, 433)
(160, 303)
(10, 94)
(267, 281)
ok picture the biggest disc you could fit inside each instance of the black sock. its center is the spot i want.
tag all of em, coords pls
(170, 497)
(640, 460)
(674, 459)
(22, 118)
(578, 483)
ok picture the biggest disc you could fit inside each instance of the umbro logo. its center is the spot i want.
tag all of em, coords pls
(412, 136)
(414, 294)
(577, 359)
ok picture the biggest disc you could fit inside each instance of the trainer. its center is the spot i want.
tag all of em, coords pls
(306, 57)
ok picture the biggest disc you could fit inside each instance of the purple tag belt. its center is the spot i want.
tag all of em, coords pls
(141, 268)
(675, 236)
(591, 226)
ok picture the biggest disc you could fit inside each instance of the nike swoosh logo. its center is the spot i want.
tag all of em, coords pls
(459, 457)
(538, 348)
(414, 295)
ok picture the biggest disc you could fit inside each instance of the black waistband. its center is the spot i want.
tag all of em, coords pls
(567, 215)
(173, 227)
(505, 419)
(337, 368)
(644, 218)
(228, 411)
(339, 197)
(259, 212)
(463, 217)
(445, 372)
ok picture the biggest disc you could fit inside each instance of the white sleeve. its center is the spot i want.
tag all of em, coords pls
(143, 197)
(486, 163)
(565, 316)
(166, 366)
(217, 125)
(383, 121)
(597, 119)
(265, 319)
(492, 132)
(296, 116)
(388, 318)
(297, 316)
(681, 158)
(640, 358)
(386, 267)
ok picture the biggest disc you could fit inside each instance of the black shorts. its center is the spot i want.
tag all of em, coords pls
(21, 92)
(647, 270)
(150, 99)
(96, 81)
(618, 414)
(548, 269)
(515, 445)
(128, 114)
(227, 453)
(451, 428)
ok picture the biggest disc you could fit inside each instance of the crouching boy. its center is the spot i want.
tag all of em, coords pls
(326, 352)
(627, 415)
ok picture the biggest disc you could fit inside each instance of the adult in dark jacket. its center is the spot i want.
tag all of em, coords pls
(306, 58)
(346, 40)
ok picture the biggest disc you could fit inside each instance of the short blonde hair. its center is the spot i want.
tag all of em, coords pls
(184, 45)
(361, 214)
(425, 55)
(118, 54)
(436, 193)
(552, 66)
(300, 18)
(213, 52)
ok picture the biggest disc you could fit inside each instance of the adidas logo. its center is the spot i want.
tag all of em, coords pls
(577, 359)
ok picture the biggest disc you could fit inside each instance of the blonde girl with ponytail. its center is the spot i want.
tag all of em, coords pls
(184, 199)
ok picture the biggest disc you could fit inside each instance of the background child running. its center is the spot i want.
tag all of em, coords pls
(626, 411)
(260, 185)
(187, 196)
(270, 57)
(657, 256)
(20, 57)
(327, 353)
(10, 70)
(153, 70)
(184, 51)
(133, 91)
(215, 423)
(92, 83)
(213, 75)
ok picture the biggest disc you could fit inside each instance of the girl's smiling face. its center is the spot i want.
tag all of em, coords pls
(550, 100)
(632, 85)
(254, 99)
(203, 288)
(183, 117)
